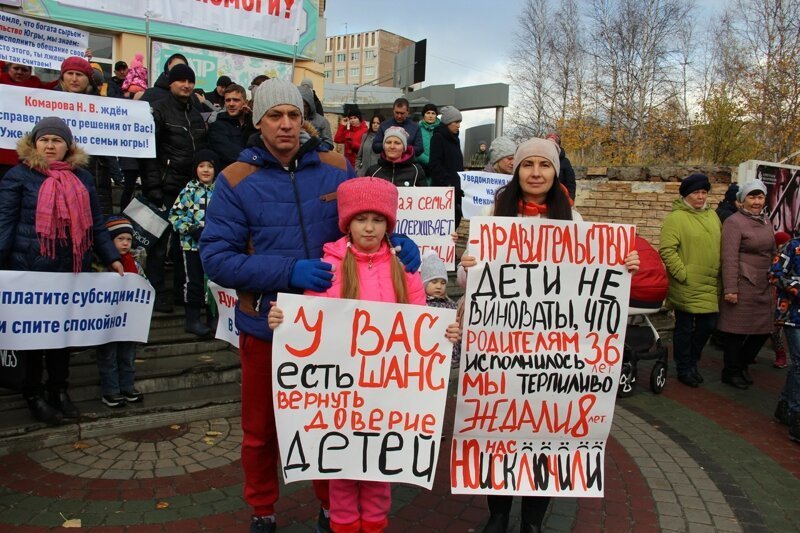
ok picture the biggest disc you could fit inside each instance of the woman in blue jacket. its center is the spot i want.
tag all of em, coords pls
(50, 221)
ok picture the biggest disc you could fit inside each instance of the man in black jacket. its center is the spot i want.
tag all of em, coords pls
(447, 160)
(180, 131)
(231, 129)
(400, 111)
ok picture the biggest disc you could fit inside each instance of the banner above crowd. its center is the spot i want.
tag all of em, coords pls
(101, 126)
(38, 43)
(270, 27)
(43, 310)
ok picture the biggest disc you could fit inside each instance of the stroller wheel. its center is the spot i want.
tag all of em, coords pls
(626, 380)
(658, 377)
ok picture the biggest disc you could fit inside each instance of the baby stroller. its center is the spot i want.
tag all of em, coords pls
(642, 342)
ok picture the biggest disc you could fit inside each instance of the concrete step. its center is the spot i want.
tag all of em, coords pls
(19, 432)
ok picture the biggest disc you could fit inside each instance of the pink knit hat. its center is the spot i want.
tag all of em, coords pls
(359, 195)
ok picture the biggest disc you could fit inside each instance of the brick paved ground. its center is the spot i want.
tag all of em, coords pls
(707, 459)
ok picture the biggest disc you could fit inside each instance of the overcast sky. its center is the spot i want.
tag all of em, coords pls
(469, 42)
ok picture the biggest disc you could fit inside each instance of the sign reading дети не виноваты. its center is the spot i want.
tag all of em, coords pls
(544, 327)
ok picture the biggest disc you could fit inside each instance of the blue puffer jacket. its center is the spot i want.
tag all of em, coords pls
(264, 218)
(19, 193)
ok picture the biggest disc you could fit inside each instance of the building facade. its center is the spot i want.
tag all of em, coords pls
(360, 58)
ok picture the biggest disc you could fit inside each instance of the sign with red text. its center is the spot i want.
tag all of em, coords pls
(270, 20)
(101, 126)
(226, 301)
(427, 216)
(38, 43)
(544, 327)
(44, 310)
(360, 389)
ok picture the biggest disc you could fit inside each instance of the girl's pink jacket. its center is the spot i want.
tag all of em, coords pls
(374, 275)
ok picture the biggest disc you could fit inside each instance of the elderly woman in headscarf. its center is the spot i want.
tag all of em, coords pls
(748, 246)
(50, 221)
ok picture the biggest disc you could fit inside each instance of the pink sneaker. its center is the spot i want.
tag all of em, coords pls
(780, 359)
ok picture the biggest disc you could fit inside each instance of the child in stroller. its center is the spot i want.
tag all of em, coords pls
(642, 342)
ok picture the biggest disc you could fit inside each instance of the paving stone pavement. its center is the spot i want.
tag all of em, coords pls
(697, 460)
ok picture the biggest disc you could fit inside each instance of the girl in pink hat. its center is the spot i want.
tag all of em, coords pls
(367, 269)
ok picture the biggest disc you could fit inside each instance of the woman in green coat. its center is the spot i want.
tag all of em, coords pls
(690, 248)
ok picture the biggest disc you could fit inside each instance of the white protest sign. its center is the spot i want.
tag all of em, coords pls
(38, 43)
(544, 328)
(41, 310)
(270, 20)
(426, 215)
(360, 389)
(101, 126)
(479, 189)
(226, 301)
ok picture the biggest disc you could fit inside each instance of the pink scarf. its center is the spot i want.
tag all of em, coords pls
(63, 213)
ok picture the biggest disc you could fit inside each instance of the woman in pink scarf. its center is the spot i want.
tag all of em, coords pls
(50, 221)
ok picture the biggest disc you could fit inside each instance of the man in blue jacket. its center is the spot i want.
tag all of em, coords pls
(272, 211)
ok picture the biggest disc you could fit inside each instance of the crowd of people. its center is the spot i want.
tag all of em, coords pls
(222, 157)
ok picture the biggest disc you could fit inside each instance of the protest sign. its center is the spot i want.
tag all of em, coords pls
(479, 189)
(226, 301)
(360, 389)
(37, 43)
(427, 216)
(42, 310)
(544, 328)
(101, 126)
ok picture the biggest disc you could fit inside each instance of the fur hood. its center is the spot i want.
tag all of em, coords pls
(26, 148)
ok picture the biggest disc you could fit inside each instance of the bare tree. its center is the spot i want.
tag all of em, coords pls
(567, 54)
(634, 47)
(530, 71)
(766, 63)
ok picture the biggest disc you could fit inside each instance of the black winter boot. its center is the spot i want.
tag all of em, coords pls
(43, 411)
(782, 413)
(498, 523)
(61, 401)
(794, 427)
(212, 321)
(194, 324)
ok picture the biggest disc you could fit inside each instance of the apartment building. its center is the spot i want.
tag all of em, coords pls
(360, 58)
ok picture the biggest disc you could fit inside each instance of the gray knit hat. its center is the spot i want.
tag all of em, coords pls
(750, 187)
(52, 126)
(274, 92)
(432, 268)
(501, 147)
(450, 114)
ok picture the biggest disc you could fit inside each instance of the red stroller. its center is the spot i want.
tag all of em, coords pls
(642, 342)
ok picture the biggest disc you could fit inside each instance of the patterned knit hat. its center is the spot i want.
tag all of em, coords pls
(359, 195)
(432, 268)
(117, 225)
(397, 132)
(501, 147)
